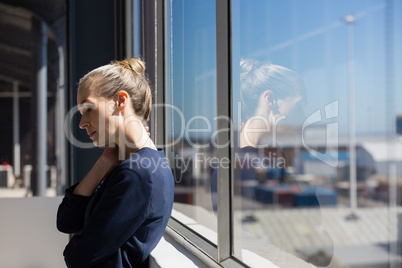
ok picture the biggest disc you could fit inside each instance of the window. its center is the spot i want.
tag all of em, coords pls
(191, 107)
(307, 97)
(32, 96)
(325, 71)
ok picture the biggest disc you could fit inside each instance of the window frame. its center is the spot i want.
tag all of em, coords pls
(224, 110)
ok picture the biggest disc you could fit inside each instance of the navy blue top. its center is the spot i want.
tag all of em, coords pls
(124, 219)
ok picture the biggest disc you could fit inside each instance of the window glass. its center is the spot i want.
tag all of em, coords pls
(32, 103)
(317, 150)
(191, 108)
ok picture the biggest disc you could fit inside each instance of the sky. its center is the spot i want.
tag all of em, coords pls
(308, 37)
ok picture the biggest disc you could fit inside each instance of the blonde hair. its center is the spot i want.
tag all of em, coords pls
(256, 77)
(128, 75)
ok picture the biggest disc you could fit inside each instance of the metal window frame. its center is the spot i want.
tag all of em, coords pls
(224, 110)
(160, 73)
(129, 32)
(132, 10)
(152, 50)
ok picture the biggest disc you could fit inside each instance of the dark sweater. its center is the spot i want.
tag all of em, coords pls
(122, 222)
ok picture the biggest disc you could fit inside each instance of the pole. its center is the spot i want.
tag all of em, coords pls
(41, 112)
(350, 20)
(16, 131)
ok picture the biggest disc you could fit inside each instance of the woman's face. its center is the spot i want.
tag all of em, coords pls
(292, 107)
(98, 116)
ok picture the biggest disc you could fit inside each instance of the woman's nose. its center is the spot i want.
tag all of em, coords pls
(83, 122)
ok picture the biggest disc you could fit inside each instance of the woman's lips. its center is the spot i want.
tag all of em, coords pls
(91, 134)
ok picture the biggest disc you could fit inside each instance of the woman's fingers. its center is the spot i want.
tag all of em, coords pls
(147, 130)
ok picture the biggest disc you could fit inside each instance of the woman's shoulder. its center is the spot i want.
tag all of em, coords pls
(125, 178)
(142, 171)
(143, 163)
(146, 158)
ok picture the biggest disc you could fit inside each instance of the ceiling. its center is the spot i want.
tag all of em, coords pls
(20, 40)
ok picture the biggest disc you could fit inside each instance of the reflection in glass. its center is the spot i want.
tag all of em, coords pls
(191, 109)
(292, 122)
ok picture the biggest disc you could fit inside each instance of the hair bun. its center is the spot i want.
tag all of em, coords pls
(135, 65)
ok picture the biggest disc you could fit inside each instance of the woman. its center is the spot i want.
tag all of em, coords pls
(119, 211)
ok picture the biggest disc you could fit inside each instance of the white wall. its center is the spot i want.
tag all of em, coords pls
(28, 234)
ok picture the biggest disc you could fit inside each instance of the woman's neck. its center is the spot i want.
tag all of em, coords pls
(134, 138)
(254, 130)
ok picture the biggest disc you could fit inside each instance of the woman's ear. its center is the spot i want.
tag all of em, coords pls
(121, 100)
(268, 98)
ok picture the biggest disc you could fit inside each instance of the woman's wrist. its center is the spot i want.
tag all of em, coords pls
(103, 166)
(110, 156)
(88, 185)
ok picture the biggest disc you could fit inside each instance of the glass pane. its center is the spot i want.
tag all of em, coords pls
(191, 109)
(25, 49)
(22, 58)
(317, 122)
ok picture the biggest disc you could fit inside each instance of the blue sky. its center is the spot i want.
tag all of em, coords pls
(306, 36)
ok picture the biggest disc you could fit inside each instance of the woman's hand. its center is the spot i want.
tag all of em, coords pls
(147, 130)
(110, 155)
(106, 162)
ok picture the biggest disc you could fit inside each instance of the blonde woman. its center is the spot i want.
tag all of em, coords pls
(119, 211)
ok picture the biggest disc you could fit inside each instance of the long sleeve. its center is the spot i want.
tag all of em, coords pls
(71, 212)
(118, 213)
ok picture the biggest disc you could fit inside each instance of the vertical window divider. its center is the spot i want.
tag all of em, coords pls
(160, 92)
(136, 27)
(224, 112)
(129, 35)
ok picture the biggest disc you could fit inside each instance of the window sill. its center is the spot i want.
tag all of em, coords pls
(175, 250)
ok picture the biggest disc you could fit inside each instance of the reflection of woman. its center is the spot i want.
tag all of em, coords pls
(119, 211)
(272, 99)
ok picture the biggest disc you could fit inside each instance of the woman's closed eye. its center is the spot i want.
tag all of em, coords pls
(87, 108)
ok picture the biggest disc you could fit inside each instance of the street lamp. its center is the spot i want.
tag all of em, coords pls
(350, 20)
